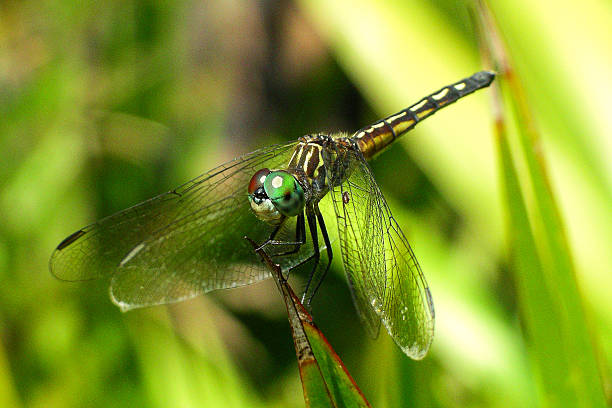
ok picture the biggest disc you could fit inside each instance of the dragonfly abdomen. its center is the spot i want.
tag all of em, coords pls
(374, 138)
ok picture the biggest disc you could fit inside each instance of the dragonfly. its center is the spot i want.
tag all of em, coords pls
(191, 240)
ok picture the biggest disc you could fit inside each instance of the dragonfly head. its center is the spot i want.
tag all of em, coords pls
(274, 194)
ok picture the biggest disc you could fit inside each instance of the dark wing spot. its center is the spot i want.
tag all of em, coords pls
(70, 239)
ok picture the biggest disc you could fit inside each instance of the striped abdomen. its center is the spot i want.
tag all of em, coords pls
(375, 138)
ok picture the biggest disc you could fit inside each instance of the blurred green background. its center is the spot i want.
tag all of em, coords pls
(105, 104)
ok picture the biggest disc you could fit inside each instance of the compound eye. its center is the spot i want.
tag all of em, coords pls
(285, 192)
(257, 181)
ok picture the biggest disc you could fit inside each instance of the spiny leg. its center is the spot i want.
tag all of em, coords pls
(300, 239)
(312, 225)
(312, 214)
(300, 236)
(302, 262)
(330, 256)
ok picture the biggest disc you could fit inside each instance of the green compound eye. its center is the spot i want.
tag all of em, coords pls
(285, 193)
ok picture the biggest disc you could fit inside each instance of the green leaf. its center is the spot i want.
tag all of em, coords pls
(552, 310)
(325, 380)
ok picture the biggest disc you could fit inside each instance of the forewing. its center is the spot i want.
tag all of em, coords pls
(177, 245)
(385, 278)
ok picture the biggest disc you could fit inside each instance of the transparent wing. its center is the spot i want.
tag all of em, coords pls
(384, 276)
(180, 244)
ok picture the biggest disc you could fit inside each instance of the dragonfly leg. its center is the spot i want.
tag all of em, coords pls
(300, 237)
(330, 256)
(312, 225)
(302, 227)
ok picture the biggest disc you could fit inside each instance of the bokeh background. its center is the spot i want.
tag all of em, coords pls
(105, 104)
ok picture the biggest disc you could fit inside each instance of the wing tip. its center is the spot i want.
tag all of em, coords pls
(415, 348)
(55, 267)
(416, 351)
(70, 239)
(123, 306)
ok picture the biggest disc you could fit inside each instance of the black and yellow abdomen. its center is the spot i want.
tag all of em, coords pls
(373, 139)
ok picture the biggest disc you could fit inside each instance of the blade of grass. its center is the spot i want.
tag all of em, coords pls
(325, 380)
(553, 315)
